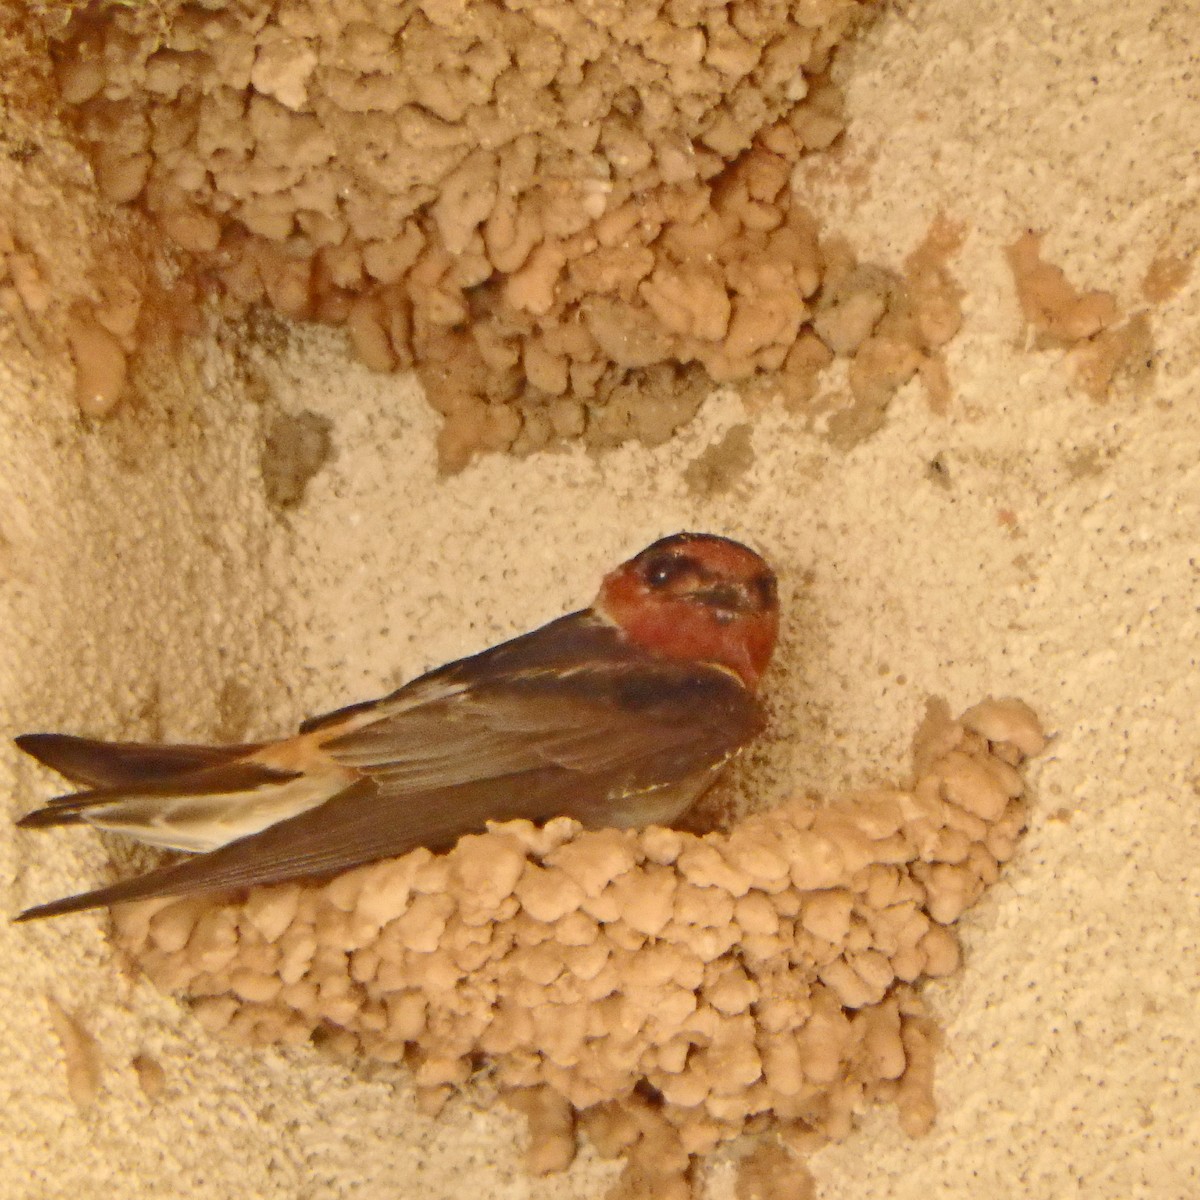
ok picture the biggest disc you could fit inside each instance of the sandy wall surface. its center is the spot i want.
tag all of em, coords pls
(148, 587)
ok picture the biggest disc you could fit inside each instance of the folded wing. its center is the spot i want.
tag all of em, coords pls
(564, 721)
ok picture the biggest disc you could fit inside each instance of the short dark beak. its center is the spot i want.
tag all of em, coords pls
(722, 595)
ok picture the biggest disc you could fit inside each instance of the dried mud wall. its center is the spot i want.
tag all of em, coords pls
(260, 530)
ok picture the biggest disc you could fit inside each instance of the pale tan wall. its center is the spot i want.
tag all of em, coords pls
(1071, 1059)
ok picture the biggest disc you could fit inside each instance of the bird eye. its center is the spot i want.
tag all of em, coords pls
(665, 569)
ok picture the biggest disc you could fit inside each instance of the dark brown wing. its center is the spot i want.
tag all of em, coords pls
(565, 721)
(571, 706)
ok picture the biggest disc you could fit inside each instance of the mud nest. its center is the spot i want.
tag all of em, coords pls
(661, 990)
(571, 219)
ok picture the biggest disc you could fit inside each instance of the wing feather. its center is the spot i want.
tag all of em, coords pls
(588, 736)
(572, 694)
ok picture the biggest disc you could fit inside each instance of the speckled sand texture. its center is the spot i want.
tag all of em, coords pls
(149, 587)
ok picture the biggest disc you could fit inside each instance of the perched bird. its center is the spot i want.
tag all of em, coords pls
(621, 714)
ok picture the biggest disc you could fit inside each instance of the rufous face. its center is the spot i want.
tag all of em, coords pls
(697, 597)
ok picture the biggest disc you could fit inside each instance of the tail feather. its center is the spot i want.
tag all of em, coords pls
(240, 864)
(100, 764)
(210, 782)
(57, 812)
(192, 798)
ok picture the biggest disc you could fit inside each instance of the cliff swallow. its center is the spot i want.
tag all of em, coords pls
(621, 714)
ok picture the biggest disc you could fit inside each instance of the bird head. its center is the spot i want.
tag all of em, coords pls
(697, 597)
